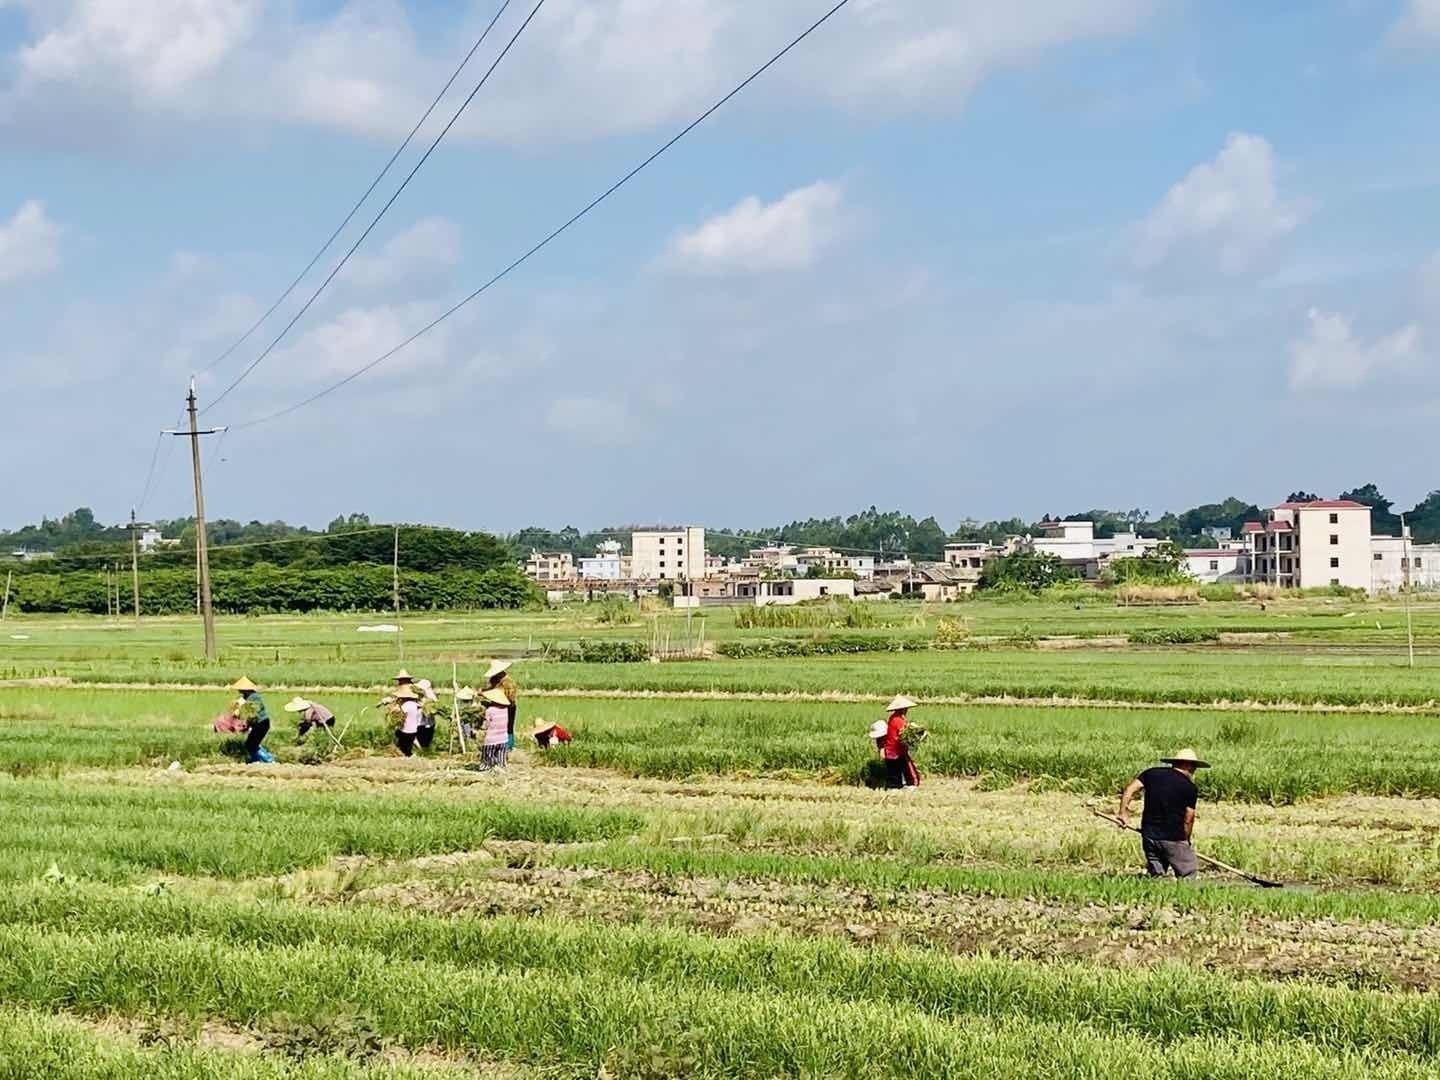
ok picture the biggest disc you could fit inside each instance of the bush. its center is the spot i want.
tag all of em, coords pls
(601, 652)
(838, 645)
(1174, 635)
(1218, 593)
(951, 632)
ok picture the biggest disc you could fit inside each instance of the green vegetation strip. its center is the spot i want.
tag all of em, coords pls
(502, 984)
(116, 832)
(34, 1046)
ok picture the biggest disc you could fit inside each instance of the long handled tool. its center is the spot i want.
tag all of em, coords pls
(1264, 883)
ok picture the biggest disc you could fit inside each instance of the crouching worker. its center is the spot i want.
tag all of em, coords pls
(1168, 816)
(250, 710)
(547, 732)
(310, 715)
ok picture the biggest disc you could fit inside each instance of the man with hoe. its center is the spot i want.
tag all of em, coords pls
(1168, 817)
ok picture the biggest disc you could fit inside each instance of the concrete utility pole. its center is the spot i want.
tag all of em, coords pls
(395, 581)
(135, 564)
(1405, 566)
(202, 543)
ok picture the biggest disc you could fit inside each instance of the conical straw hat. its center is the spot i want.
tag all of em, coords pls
(495, 697)
(900, 704)
(243, 685)
(1186, 757)
(497, 667)
(879, 729)
(297, 704)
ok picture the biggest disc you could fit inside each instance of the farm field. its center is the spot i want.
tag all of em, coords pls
(700, 885)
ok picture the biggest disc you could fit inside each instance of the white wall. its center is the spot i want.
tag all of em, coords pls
(1213, 566)
(1351, 529)
(682, 551)
(1387, 565)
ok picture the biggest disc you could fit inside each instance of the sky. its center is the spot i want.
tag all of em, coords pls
(953, 257)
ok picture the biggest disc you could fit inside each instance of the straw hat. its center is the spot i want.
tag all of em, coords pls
(406, 693)
(542, 726)
(900, 704)
(497, 667)
(298, 704)
(1186, 757)
(403, 676)
(879, 729)
(465, 693)
(423, 684)
(244, 685)
(495, 696)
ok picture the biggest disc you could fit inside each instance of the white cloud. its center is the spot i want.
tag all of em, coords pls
(1418, 25)
(584, 69)
(599, 421)
(787, 234)
(429, 245)
(1330, 357)
(29, 244)
(353, 337)
(1227, 210)
(155, 49)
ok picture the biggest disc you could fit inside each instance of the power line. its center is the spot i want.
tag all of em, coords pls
(383, 210)
(553, 235)
(363, 198)
(150, 473)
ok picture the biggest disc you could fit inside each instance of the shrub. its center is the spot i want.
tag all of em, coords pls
(951, 632)
(1174, 635)
(601, 652)
(776, 648)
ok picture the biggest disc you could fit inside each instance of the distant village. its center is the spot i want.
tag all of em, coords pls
(1303, 545)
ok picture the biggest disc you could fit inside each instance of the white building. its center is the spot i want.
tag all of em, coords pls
(796, 590)
(550, 566)
(1312, 545)
(1075, 544)
(1211, 566)
(608, 564)
(668, 554)
(1397, 562)
(829, 561)
(151, 539)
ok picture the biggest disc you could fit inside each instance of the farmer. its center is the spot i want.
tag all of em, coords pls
(471, 715)
(497, 728)
(402, 680)
(409, 705)
(498, 678)
(546, 732)
(1168, 816)
(310, 715)
(898, 764)
(428, 700)
(257, 722)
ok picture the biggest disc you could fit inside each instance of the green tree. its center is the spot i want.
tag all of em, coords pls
(1025, 570)
(1383, 519)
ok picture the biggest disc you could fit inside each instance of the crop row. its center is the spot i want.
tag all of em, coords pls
(548, 987)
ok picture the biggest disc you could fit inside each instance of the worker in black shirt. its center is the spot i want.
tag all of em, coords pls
(1168, 816)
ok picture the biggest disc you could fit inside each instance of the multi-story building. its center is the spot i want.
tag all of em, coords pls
(828, 561)
(1311, 545)
(1075, 544)
(550, 566)
(668, 554)
(608, 563)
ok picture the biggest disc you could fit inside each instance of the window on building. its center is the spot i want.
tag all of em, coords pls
(1379, 557)
(1334, 519)
(1334, 563)
(1334, 581)
(662, 564)
(1415, 562)
(1214, 564)
(1334, 540)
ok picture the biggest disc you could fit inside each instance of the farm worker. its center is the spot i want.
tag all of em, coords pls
(470, 713)
(310, 715)
(497, 728)
(546, 732)
(426, 735)
(410, 718)
(898, 764)
(1168, 816)
(258, 726)
(498, 678)
(402, 679)
(878, 730)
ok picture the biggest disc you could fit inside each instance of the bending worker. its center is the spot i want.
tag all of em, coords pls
(257, 721)
(310, 715)
(1168, 817)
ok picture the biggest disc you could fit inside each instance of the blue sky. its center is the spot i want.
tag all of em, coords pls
(951, 256)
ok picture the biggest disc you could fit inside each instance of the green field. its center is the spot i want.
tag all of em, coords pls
(700, 885)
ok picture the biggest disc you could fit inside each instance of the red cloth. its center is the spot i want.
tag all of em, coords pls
(559, 734)
(228, 724)
(891, 747)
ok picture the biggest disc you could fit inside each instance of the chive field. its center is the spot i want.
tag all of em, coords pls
(701, 885)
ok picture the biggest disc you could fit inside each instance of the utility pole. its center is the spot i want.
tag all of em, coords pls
(135, 564)
(202, 543)
(1405, 565)
(395, 580)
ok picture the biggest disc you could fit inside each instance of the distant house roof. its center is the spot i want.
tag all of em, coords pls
(1280, 526)
(1324, 504)
(1214, 553)
(1253, 527)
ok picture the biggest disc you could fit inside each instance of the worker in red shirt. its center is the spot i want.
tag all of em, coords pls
(548, 732)
(898, 764)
